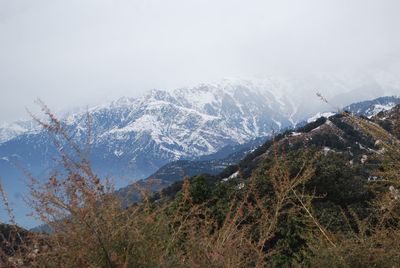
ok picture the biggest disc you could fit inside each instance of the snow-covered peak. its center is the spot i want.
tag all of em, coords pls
(373, 107)
(9, 131)
(244, 105)
(377, 108)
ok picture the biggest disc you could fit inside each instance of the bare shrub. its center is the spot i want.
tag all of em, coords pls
(91, 227)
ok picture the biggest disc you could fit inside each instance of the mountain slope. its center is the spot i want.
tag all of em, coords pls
(134, 137)
(12, 130)
(336, 135)
(373, 107)
(175, 171)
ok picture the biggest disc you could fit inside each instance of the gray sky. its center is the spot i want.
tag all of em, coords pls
(78, 52)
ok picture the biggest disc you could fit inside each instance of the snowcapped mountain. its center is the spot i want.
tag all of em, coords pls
(9, 131)
(216, 163)
(373, 107)
(368, 108)
(195, 121)
(134, 137)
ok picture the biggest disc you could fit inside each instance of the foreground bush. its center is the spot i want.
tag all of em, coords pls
(296, 209)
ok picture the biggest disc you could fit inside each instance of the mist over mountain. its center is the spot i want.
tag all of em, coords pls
(134, 137)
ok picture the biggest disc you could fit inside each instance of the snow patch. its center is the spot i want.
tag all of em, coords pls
(240, 186)
(233, 176)
(118, 153)
(319, 115)
(377, 108)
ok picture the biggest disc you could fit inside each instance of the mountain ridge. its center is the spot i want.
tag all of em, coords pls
(134, 137)
(175, 171)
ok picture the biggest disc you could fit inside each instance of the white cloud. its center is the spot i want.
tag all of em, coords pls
(79, 51)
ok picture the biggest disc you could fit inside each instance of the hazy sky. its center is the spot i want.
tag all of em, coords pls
(78, 52)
